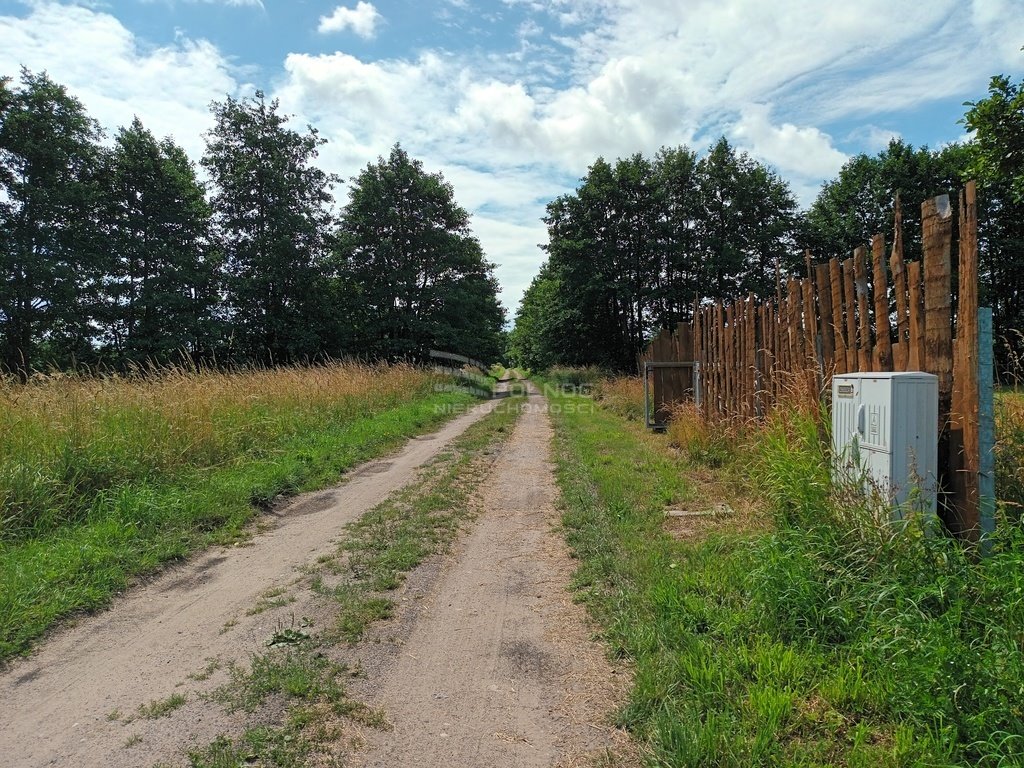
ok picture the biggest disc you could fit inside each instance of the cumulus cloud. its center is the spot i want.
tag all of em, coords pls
(362, 20)
(872, 138)
(232, 3)
(640, 74)
(793, 150)
(102, 63)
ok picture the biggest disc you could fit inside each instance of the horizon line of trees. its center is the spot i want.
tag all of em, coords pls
(120, 255)
(643, 240)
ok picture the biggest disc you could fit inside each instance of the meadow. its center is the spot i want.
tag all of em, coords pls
(799, 629)
(105, 478)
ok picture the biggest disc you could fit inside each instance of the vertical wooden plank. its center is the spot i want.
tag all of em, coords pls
(864, 361)
(796, 334)
(720, 359)
(783, 339)
(709, 360)
(936, 245)
(698, 349)
(763, 360)
(741, 357)
(915, 340)
(986, 430)
(937, 238)
(828, 341)
(964, 450)
(776, 313)
(850, 302)
(705, 372)
(880, 286)
(737, 358)
(744, 311)
(689, 344)
(712, 357)
(730, 362)
(751, 315)
(835, 280)
(901, 350)
(810, 323)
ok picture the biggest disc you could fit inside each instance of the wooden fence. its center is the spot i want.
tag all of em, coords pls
(846, 317)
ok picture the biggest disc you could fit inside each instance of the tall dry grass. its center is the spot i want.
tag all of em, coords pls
(65, 439)
(623, 395)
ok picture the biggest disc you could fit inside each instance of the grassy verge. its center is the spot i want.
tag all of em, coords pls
(824, 638)
(102, 480)
(303, 669)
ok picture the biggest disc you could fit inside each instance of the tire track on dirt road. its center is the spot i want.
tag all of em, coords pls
(63, 704)
(498, 667)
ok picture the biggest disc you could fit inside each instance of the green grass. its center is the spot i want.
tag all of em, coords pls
(117, 529)
(298, 672)
(830, 639)
(162, 707)
(573, 377)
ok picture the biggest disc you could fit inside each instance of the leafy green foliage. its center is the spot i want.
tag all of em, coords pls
(997, 161)
(271, 220)
(418, 277)
(998, 125)
(114, 257)
(640, 242)
(858, 203)
(160, 287)
(50, 254)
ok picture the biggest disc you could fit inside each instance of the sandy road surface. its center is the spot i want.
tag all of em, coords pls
(57, 707)
(498, 668)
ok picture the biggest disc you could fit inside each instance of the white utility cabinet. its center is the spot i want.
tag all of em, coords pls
(885, 434)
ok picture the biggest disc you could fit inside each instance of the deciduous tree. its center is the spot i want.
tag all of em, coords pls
(50, 251)
(272, 221)
(419, 277)
(160, 289)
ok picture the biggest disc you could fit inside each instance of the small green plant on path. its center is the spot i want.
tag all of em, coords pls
(162, 707)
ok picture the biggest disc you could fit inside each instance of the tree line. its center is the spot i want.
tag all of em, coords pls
(642, 241)
(119, 254)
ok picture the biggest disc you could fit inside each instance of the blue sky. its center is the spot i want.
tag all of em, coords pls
(513, 99)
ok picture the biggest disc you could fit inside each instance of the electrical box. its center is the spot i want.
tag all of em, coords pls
(885, 435)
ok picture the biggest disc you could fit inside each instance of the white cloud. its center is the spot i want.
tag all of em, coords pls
(805, 152)
(101, 62)
(646, 73)
(362, 20)
(232, 3)
(872, 138)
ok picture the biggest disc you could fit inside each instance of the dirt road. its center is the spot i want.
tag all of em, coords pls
(495, 668)
(498, 668)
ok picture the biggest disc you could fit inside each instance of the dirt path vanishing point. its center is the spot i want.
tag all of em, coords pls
(58, 705)
(498, 667)
(486, 663)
